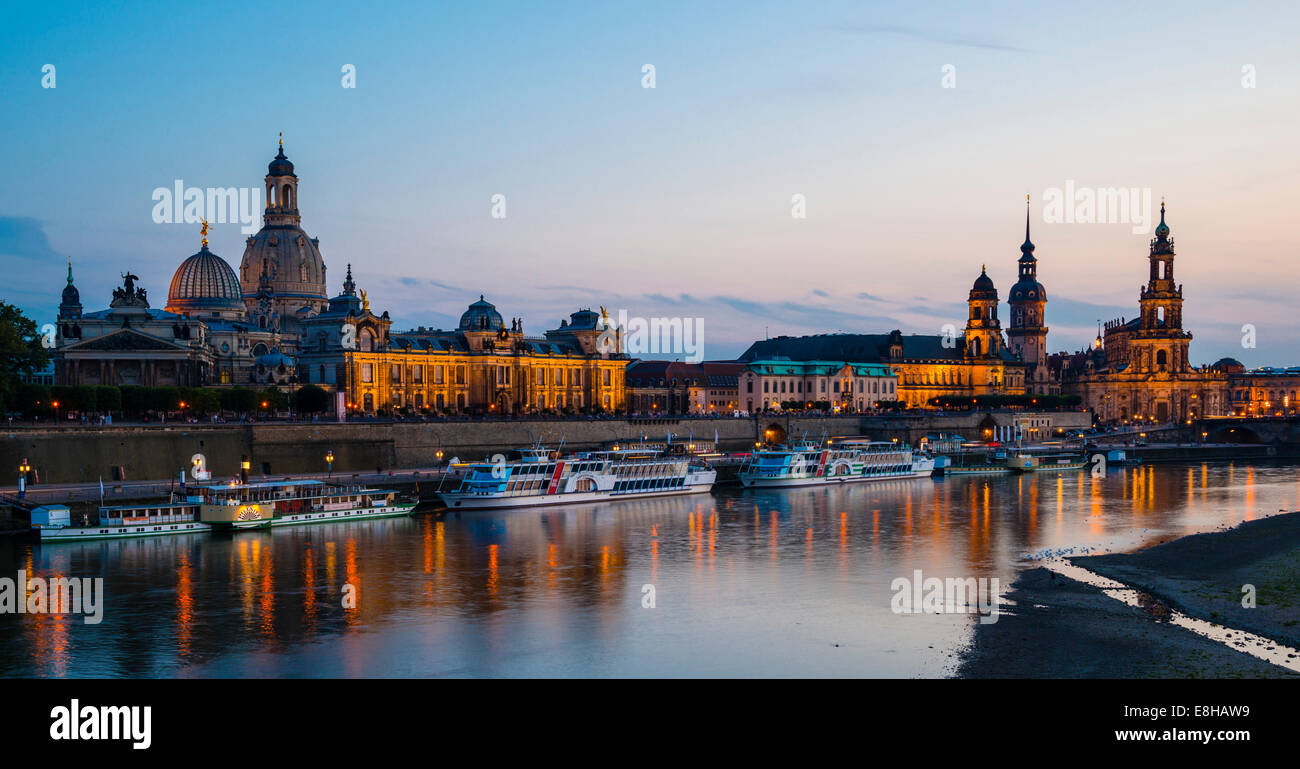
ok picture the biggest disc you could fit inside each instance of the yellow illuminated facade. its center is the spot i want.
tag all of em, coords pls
(483, 366)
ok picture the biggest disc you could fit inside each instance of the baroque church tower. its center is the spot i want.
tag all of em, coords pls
(983, 329)
(1160, 344)
(282, 275)
(1027, 335)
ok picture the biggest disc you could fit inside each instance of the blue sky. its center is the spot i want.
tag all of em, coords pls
(674, 200)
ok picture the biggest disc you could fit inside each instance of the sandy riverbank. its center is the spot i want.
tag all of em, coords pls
(1059, 628)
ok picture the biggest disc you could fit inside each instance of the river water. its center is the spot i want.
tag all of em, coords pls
(736, 583)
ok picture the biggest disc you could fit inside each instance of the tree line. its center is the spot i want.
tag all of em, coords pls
(138, 401)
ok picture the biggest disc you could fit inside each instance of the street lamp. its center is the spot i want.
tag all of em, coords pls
(23, 470)
(329, 464)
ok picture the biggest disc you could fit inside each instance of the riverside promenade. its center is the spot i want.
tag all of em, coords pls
(83, 454)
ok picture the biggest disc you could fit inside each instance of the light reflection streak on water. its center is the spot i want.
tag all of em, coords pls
(747, 582)
(1255, 645)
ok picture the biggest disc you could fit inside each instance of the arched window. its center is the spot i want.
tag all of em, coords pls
(286, 197)
(1162, 358)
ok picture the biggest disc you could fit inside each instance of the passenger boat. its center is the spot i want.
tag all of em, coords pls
(673, 444)
(1022, 462)
(1060, 461)
(145, 519)
(1002, 461)
(535, 477)
(980, 462)
(806, 463)
(285, 503)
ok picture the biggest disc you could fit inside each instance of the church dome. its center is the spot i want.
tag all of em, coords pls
(71, 295)
(1027, 290)
(472, 320)
(291, 261)
(1162, 229)
(204, 282)
(983, 287)
(280, 166)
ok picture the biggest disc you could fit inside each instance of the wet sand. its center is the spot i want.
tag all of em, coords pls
(1059, 628)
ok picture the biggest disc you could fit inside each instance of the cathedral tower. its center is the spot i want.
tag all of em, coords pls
(1159, 344)
(983, 329)
(1027, 335)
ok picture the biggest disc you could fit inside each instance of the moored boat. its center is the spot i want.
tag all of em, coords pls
(54, 523)
(847, 461)
(536, 477)
(284, 503)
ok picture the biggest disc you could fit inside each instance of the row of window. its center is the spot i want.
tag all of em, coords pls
(501, 376)
(799, 386)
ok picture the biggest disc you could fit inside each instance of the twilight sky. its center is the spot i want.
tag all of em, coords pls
(673, 201)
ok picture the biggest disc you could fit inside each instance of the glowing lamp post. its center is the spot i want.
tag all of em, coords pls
(23, 470)
(329, 464)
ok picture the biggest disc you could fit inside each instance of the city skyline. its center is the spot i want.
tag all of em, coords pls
(676, 200)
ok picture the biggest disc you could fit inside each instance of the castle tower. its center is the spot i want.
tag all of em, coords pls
(1027, 335)
(983, 329)
(1159, 344)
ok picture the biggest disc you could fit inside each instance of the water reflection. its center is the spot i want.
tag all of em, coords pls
(790, 582)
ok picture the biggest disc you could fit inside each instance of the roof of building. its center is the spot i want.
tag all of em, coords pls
(281, 165)
(860, 348)
(474, 317)
(204, 281)
(785, 366)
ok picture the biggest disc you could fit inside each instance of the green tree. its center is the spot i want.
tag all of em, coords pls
(135, 399)
(240, 400)
(21, 350)
(164, 399)
(274, 399)
(312, 399)
(108, 399)
(34, 399)
(200, 400)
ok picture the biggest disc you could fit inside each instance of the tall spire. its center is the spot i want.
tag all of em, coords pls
(349, 286)
(1162, 243)
(70, 306)
(1027, 247)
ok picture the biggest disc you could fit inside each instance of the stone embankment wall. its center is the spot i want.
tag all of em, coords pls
(84, 454)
